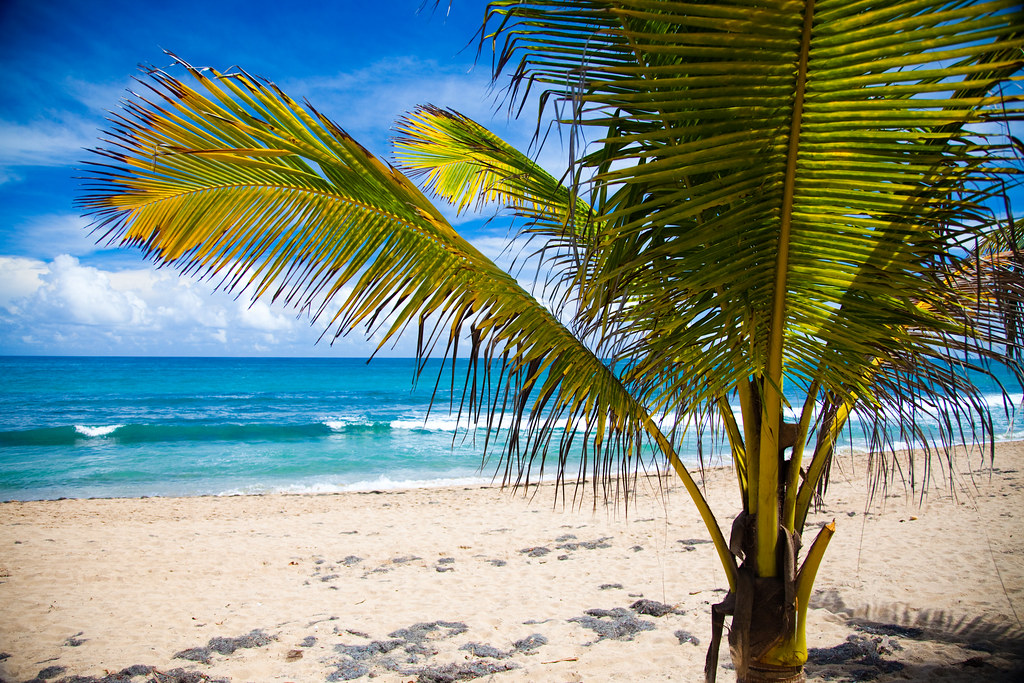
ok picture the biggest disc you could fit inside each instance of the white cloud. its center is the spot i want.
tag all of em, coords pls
(74, 294)
(19, 278)
(65, 307)
(45, 142)
(45, 235)
(98, 97)
(258, 316)
(138, 308)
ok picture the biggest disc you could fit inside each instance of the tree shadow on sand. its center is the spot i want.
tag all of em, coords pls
(980, 648)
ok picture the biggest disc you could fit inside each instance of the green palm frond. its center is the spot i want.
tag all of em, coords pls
(234, 180)
(1005, 237)
(466, 164)
(785, 189)
(825, 160)
(243, 184)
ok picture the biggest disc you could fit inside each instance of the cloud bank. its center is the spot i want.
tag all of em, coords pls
(62, 306)
(50, 306)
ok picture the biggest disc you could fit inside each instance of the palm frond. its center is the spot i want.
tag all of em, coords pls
(466, 164)
(234, 180)
(714, 134)
(245, 185)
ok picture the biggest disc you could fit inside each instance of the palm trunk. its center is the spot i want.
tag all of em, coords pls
(768, 635)
(768, 674)
(764, 641)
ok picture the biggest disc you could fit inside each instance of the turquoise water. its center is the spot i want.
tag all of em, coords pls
(82, 427)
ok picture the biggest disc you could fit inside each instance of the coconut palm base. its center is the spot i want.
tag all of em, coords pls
(757, 673)
(765, 643)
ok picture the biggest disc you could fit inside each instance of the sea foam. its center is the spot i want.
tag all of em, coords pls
(431, 424)
(340, 424)
(102, 430)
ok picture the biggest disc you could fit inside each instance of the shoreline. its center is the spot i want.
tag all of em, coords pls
(382, 484)
(323, 586)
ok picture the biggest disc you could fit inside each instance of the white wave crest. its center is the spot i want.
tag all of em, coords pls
(432, 424)
(340, 423)
(1010, 400)
(102, 430)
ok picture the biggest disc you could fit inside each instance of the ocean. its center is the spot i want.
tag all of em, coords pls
(127, 427)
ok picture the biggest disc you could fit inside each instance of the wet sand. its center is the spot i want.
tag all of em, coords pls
(461, 583)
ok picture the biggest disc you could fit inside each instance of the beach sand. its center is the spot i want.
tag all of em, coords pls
(441, 584)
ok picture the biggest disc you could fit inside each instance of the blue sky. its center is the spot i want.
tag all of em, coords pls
(66, 63)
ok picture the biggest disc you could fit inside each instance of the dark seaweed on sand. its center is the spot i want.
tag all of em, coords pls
(50, 672)
(686, 637)
(405, 558)
(526, 646)
(377, 647)
(136, 670)
(617, 624)
(653, 608)
(589, 545)
(183, 676)
(125, 676)
(449, 673)
(484, 650)
(225, 646)
(75, 641)
(620, 623)
(432, 630)
(348, 671)
(410, 646)
(530, 643)
(404, 646)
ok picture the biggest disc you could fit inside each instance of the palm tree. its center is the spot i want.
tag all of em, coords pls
(760, 195)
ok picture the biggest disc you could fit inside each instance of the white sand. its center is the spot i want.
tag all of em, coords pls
(95, 586)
